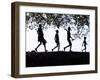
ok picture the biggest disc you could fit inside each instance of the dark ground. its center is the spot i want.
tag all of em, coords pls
(36, 59)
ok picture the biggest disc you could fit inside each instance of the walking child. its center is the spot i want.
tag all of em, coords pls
(41, 39)
(57, 40)
(84, 43)
(69, 39)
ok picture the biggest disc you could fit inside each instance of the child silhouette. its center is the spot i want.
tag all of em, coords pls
(57, 40)
(69, 39)
(84, 43)
(41, 38)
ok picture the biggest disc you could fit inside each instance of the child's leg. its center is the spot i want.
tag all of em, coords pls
(58, 47)
(70, 44)
(55, 47)
(85, 48)
(45, 47)
(37, 46)
(70, 47)
(66, 47)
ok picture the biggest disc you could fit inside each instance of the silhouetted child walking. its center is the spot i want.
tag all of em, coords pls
(41, 38)
(69, 39)
(57, 40)
(84, 43)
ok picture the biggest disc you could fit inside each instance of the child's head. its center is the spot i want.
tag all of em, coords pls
(57, 31)
(69, 28)
(40, 26)
(85, 38)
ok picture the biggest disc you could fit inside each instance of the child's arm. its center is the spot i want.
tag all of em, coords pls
(82, 43)
(55, 38)
(66, 29)
(37, 31)
(86, 43)
(72, 38)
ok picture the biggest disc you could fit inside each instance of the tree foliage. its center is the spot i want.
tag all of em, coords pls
(58, 20)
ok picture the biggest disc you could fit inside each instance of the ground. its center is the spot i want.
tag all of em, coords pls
(36, 59)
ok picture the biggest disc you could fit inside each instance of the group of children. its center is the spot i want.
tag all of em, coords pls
(41, 40)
